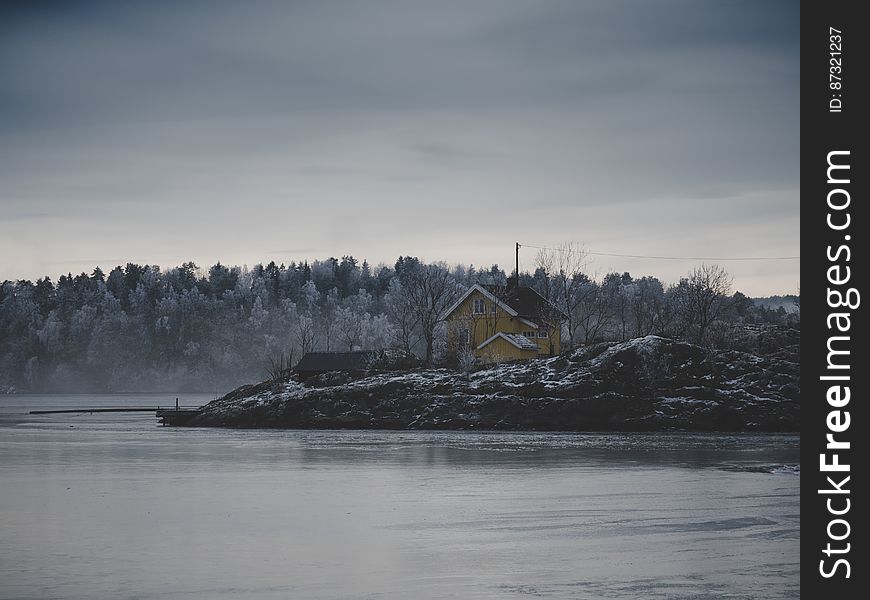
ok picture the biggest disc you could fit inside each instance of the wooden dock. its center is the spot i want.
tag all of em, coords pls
(172, 417)
(94, 410)
(177, 415)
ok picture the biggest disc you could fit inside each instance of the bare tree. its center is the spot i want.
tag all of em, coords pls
(305, 327)
(349, 326)
(647, 305)
(594, 309)
(406, 333)
(708, 289)
(623, 298)
(430, 290)
(567, 283)
(549, 321)
(466, 359)
(279, 366)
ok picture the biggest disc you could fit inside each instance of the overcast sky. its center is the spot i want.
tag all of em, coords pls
(246, 132)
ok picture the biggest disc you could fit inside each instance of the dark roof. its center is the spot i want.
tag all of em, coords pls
(321, 362)
(526, 301)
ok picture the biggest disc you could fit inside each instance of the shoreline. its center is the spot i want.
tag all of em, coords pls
(644, 385)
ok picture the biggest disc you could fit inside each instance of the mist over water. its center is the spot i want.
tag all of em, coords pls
(112, 505)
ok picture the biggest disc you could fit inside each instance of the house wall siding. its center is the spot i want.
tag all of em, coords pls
(500, 350)
(483, 326)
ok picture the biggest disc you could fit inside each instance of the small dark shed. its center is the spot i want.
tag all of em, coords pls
(315, 363)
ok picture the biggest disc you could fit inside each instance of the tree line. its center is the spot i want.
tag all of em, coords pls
(140, 328)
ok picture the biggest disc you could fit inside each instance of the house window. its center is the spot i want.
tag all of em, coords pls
(543, 333)
(479, 307)
(464, 337)
(529, 334)
(492, 308)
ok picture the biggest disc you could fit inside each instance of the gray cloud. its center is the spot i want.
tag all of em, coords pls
(219, 130)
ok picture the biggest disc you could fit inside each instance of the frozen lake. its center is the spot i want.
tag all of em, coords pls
(113, 506)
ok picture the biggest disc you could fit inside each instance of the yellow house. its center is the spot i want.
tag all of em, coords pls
(501, 323)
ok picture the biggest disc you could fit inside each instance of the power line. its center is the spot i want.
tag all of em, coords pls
(720, 258)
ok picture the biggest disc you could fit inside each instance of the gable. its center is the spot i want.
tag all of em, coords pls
(486, 294)
(514, 339)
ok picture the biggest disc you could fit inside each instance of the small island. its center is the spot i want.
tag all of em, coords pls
(644, 384)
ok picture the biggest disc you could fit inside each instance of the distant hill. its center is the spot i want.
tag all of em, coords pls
(787, 302)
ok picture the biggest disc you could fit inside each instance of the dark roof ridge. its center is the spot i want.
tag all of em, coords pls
(525, 300)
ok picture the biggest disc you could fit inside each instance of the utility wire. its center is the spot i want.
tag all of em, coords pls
(723, 258)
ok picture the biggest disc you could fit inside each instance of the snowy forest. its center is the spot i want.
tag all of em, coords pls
(141, 328)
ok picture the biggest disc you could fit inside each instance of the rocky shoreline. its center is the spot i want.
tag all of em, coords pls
(645, 384)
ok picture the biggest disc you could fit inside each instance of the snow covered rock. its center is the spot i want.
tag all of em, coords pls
(648, 383)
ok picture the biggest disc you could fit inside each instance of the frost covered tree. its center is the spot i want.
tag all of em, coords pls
(141, 328)
(308, 316)
(377, 333)
(327, 324)
(352, 319)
